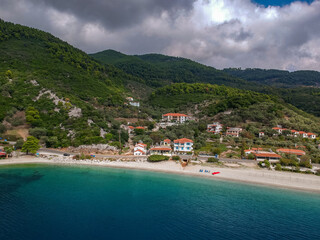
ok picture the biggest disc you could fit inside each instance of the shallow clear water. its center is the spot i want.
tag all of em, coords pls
(55, 202)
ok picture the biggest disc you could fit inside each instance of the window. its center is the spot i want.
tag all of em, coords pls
(182, 148)
(188, 148)
(177, 148)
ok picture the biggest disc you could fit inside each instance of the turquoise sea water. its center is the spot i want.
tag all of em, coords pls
(55, 202)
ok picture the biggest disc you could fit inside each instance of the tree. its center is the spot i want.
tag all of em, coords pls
(31, 145)
(9, 74)
(33, 116)
(19, 143)
(8, 151)
(2, 128)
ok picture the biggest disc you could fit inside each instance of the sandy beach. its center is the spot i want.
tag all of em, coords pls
(303, 182)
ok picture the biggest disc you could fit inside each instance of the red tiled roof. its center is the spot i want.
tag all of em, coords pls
(140, 127)
(139, 150)
(175, 115)
(257, 149)
(310, 134)
(276, 128)
(167, 140)
(160, 149)
(141, 144)
(2, 154)
(131, 127)
(274, 155)
(291, 151)
(301, 132)
(183, 140)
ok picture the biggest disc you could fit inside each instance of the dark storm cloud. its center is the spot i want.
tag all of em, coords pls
(220, 33)
(116, 14)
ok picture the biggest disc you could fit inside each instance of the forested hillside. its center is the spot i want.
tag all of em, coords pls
(64, 87)
(233, 107)
(298, 88)
(278, 78)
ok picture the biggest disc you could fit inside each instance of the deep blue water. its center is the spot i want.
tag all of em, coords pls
(55, 202)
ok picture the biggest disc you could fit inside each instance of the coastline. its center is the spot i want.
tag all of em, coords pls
(274, 179)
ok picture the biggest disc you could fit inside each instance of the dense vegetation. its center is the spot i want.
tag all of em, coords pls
(155, 70)
(33, 62)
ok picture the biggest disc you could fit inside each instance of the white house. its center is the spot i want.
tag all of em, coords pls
(161, 150)
(270, 156)
(261, 134)
(140, 149)
(311, 135)
(135, 104)
(175, 117)
(235, 132)
(214, 128)
(183, 145)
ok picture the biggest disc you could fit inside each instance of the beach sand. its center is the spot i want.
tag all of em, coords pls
(304, 182)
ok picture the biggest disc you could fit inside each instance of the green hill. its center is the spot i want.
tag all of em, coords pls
(156, 70)
(231, 106)
(159, 70)
(63, 83)
(278, 78)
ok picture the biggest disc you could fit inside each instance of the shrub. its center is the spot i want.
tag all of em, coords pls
(176, 158)
(213, 160)
(278, 167)
(251, 156)
(157, 158)
(82, 157)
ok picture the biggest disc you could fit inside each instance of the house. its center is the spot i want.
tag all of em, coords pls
(270, 156)
(303, 134)
(296, 152)
(139, 127)
(175, 117)
(161, 150)
(183, 145)
(214, 128)
(235, 132)
(166, 142)
(295, 133)
(130, 99)
(311, 135)
(140, 149)
(135, 104)
(261, 134)
(252, 150)
(278, 129)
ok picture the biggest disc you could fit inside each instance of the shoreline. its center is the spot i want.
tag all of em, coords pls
(257, 177)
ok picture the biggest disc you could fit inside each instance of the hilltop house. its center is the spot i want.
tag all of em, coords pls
(166, 142)
(175, 117)
(183, 145)
(132, 103)
(214, 128)
(235, 132)
(270, 156)
(161, 150)
(296, 133)
(140, 149)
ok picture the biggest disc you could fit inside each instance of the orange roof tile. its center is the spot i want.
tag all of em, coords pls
(183, 140)
(175, 115)
(274, 155)
(291, 151)
(160, 149)
(167, 140)
(140, 127)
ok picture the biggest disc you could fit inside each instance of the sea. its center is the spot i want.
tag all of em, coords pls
(90, 202)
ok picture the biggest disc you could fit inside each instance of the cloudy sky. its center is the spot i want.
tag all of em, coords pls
(278, 34)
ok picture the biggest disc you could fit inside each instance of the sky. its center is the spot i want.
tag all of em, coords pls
(278, 34)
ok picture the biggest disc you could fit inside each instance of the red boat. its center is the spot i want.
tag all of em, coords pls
(214, 173)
